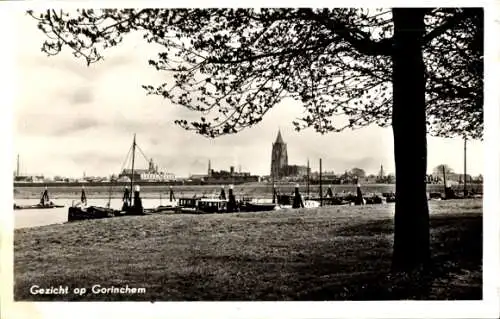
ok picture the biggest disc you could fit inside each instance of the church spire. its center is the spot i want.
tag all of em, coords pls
(381, 172)
(279, 139)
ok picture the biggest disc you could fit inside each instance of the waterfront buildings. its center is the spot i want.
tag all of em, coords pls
(151, 174)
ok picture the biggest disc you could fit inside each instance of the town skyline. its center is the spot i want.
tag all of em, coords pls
(141, 163)
(79, 119)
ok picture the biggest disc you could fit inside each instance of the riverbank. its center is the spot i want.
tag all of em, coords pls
(156, 191)
(330, 253)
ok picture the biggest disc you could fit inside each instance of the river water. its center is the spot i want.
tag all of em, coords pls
(24, 218)
(39, 217)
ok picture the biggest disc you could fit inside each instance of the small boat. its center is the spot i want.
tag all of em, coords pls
(37, 206)
(257, 207)
(374, 199)
(212, 205)
(91, 212)
(311, 204)
(45, 203)
(162, 209)
(203, 205)
(187, 205)
(390, 197)
(170, 207)
(131, 205)
(335, 201)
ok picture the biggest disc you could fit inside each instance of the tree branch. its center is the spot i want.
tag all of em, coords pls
(447, 25)
(357, 38)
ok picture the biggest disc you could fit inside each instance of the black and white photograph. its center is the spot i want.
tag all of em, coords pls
(296, 154)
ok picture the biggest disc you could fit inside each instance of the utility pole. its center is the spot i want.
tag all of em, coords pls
(320, 186)
(308, 178)
(444, 179)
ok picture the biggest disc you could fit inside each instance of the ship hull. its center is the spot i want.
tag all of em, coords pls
(37, 206)
(92, 212)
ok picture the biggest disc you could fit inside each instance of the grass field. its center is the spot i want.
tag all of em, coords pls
(330, 253)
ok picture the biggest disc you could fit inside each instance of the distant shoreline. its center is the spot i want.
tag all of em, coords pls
(96, 184)
(198, 183)
(254, 190)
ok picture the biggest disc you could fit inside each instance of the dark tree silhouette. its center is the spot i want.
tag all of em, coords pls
(438, 170)
(419, 70)
(358, 172)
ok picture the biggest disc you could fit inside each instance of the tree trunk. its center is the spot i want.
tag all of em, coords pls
(411, 231)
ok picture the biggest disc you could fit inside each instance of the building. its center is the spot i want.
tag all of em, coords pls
(223, 177)
(382, 178)
(279, 158)
(151, 174)
(29, 179)
(279, 162)
(294, 171)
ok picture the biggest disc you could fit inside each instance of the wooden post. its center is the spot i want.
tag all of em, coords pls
(273, 190)
(320, 186)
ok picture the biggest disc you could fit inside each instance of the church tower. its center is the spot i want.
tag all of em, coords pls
(381, 172)
(279, 157)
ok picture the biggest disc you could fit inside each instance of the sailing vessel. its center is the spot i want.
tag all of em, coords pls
(131, 206)
(131, 200)
(45, 203)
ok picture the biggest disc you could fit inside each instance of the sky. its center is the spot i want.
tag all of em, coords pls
(70, 118)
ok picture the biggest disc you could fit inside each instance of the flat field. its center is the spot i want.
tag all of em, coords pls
(329, 253)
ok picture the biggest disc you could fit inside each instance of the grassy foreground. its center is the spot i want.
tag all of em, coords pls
(330, 253)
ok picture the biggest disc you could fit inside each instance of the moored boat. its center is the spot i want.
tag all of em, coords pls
(163, 208)
(257, 207)
(45, 203)
(201, 205)
(131, 205)
(37, 206)
(80, 211)
(187, 205)
(212, 205)
(92, 212)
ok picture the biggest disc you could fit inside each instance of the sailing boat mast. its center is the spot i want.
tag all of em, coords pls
(132, 172)
(320, 184)
(465, 166)
(444, 178)
(308, 178)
